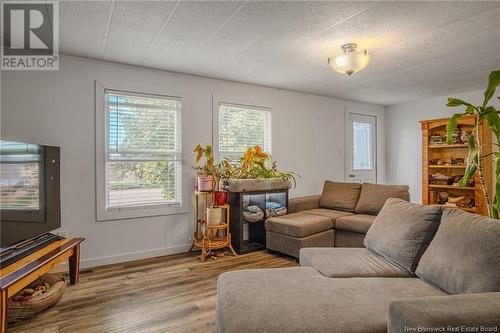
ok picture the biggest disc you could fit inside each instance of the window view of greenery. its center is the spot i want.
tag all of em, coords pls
(144, 154)
(241, 128)
(19, 183)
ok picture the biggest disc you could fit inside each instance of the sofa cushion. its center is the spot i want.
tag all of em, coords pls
(458, 313)
(402, 231)
(349, 262)
(343, 238)
(333, 214)
(298, 224)
(292, 245)
(464, 256)
(359, 223)
(340, 196)
(374, 196)
(301, 300)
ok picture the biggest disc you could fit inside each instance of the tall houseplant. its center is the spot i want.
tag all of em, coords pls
(475, 155)
(206, 175)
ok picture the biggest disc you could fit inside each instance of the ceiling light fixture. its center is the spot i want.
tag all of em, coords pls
(349, 61)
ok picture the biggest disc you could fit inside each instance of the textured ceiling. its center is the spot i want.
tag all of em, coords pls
(419, 49)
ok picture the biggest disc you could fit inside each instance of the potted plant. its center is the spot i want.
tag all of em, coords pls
(205, 175)
(481, 113)
(254, 172)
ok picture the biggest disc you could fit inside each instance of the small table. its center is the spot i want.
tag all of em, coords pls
(17, 276)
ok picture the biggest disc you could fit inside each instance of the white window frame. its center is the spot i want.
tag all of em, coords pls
(376, 137)
(236, 102)
(103, 214)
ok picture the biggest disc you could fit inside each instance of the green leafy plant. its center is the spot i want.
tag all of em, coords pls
(209, 169)
(475, 155)
(255, 164)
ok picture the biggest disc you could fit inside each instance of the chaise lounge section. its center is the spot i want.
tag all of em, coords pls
(340, 216)
(437, 269)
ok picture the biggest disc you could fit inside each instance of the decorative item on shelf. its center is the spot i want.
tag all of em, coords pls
(220, 198)
(253, 214)
(436, 139)
(483, 114)
(205, 183)
(466, 202)
(214, 215)
(442, 198)
(457, 178)
(440, 179)
(457, 161)
(460, 201)
(433, 197)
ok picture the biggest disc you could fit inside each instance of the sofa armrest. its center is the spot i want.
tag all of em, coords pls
(468, 310)
(296, 205)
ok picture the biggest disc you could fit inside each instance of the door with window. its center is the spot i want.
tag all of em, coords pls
(361, 148)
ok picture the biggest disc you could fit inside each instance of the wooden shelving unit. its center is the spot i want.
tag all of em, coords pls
(445, 152)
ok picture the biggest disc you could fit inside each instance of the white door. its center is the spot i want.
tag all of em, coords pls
(361, 148)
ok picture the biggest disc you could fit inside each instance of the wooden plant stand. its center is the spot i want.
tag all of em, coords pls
(15, 277)
(209, 237)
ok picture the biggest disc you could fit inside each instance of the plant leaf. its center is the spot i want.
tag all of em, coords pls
(208, 151)
(199, 153)
(452, 102)
(451, 126)
(495, 206)
(493, 119)
(472, 161)
(493, 82)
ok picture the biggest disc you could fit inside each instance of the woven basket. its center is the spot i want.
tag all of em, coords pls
(214, 215)
(19, 310)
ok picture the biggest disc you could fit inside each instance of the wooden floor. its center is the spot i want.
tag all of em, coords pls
(167, 294)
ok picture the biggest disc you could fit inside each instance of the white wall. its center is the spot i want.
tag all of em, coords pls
(58, 108)
(403, 136)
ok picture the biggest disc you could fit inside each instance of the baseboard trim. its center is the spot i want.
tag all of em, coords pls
(128, 256)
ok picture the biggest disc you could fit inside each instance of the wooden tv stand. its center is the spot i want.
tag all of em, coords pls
(17, 276)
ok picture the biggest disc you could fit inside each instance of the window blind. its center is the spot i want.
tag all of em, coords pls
(143, 150)
(242, 127)
(19, 168)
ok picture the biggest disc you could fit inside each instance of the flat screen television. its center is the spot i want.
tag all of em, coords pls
(29, 192)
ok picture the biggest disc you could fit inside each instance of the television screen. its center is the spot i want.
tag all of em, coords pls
(29, 191)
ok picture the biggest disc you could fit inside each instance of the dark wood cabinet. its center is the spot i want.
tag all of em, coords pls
(248, 236)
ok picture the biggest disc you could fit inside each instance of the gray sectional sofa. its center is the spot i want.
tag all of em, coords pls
(423, 270)
(340, 216)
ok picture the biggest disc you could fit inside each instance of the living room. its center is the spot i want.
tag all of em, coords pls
(134, 107)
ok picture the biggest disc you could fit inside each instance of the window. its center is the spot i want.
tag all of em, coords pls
(362, 146)
(142, 153)
(242, 127)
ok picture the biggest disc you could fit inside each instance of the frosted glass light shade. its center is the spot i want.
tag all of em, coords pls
(350, 61)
